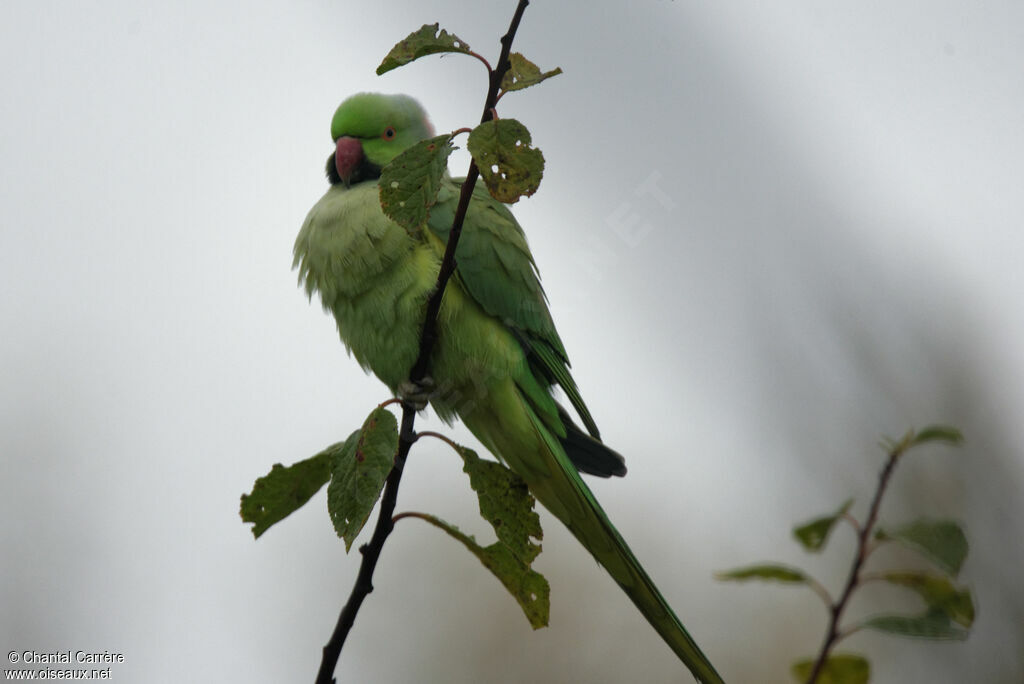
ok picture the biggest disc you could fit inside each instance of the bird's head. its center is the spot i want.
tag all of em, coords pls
(369, 130)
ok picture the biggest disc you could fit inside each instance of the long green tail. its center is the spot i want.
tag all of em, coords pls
(529, 448)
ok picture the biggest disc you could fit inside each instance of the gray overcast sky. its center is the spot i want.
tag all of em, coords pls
(770, 235)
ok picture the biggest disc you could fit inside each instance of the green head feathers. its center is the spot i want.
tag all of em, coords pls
(384, 124)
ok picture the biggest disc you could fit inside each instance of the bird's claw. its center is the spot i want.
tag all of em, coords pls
(416, 394)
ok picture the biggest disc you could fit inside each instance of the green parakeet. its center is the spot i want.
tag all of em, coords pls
(498, 354)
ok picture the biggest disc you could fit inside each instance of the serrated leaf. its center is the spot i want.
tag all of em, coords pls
(358, 472)
(814, 534)
(425, 41)
(522, 73)
(937, 433)
(938, 592)
(507, 163)
(767, 571)
(282, 491)
(529, 588)
(506, 503)
(935, 624)
(941, 541)
(840, 668)
(409, 184)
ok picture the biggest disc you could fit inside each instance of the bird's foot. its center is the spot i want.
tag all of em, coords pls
(416, 394)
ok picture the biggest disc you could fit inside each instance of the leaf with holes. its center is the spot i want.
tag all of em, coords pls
(529, 588)
(506, 503)
(840, 668)
(507, 163)
(282, 491)
(814, 534)
(522, 73)
(941, 541)
(409, 184)
(358, 472)
(426, 41)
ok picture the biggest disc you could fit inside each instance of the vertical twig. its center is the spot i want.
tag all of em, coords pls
(863, 539)
(407, 436)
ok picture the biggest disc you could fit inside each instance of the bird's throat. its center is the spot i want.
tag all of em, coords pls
(365, 170)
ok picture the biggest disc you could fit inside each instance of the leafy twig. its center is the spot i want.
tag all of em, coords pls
(950, 611)
(429, 334)
(407, 436)
(863, 538)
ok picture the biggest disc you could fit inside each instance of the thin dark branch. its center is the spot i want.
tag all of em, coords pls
(429, 334)
(407, 435)
(364, 580)
(834, 634)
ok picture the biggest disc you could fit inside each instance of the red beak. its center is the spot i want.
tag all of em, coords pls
(347, 155)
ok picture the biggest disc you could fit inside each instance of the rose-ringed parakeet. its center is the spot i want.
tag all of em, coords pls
(497, 355)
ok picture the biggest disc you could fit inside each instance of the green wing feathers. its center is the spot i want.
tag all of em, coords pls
(497, 269)
(494, 262)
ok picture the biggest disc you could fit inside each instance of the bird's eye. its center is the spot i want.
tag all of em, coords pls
(389, 133)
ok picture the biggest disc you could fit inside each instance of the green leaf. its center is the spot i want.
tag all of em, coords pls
(938, 592)
(426, 41)
(522, 73)
(409, 184)
(841, 668)
(358, 471)
(767, 571)
(528, 587)
(814, 534)
(937, 433)
(935, 624)
(506, 503)
(941, 541)
(284, 490)
(507, 163)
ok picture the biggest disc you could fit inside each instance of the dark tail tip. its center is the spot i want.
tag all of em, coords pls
(588, 454)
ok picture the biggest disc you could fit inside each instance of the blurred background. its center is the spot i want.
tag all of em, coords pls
(771, 235)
